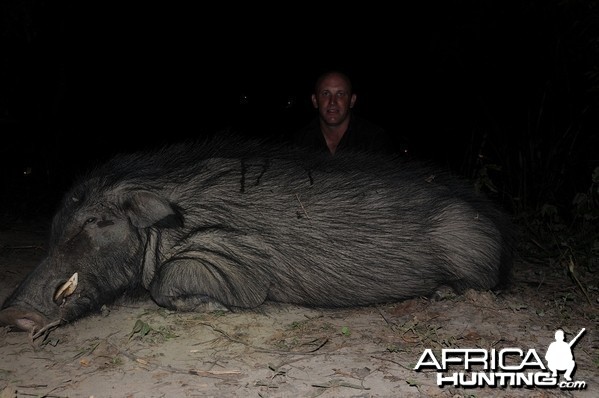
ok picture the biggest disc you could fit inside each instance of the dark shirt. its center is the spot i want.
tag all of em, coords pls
(361, 135)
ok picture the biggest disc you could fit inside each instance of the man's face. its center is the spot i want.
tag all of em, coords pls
(333, 99)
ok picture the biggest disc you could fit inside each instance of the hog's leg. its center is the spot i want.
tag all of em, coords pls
(200, 285)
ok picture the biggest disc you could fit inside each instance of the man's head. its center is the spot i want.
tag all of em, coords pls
(333, 97)
(559, 335)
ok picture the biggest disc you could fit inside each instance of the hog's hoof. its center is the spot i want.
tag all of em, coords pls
(443, 292)
(192, 304)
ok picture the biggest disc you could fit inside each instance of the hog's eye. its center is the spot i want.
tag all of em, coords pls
(90, 220)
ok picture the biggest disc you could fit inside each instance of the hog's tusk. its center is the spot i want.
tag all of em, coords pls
(67, 288)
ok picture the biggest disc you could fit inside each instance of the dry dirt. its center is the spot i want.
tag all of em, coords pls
(141, 350)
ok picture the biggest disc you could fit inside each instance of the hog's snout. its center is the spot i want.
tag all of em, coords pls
(31, 312)
(24, 319)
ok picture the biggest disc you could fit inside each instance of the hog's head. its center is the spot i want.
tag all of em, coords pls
(97, 249)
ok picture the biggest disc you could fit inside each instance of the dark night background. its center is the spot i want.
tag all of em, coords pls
(500, 91)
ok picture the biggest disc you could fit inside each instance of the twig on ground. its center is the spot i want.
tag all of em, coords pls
(218, 374)
(266, 350)
(392, 361)
(339, 383)
(573, 275)
(45, 330)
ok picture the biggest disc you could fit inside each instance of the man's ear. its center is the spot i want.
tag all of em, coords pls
(314, 101)
(352, 100)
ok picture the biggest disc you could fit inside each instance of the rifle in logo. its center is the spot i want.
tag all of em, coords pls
(575, 339)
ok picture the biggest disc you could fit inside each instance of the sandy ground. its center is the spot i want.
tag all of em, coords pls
(141, 350)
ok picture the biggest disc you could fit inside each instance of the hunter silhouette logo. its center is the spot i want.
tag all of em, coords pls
(559, 355)
(506, 367)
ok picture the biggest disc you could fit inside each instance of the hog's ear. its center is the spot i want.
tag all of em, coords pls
(147, 209)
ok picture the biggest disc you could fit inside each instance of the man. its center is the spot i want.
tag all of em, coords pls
(559, 356)
(337, 128)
